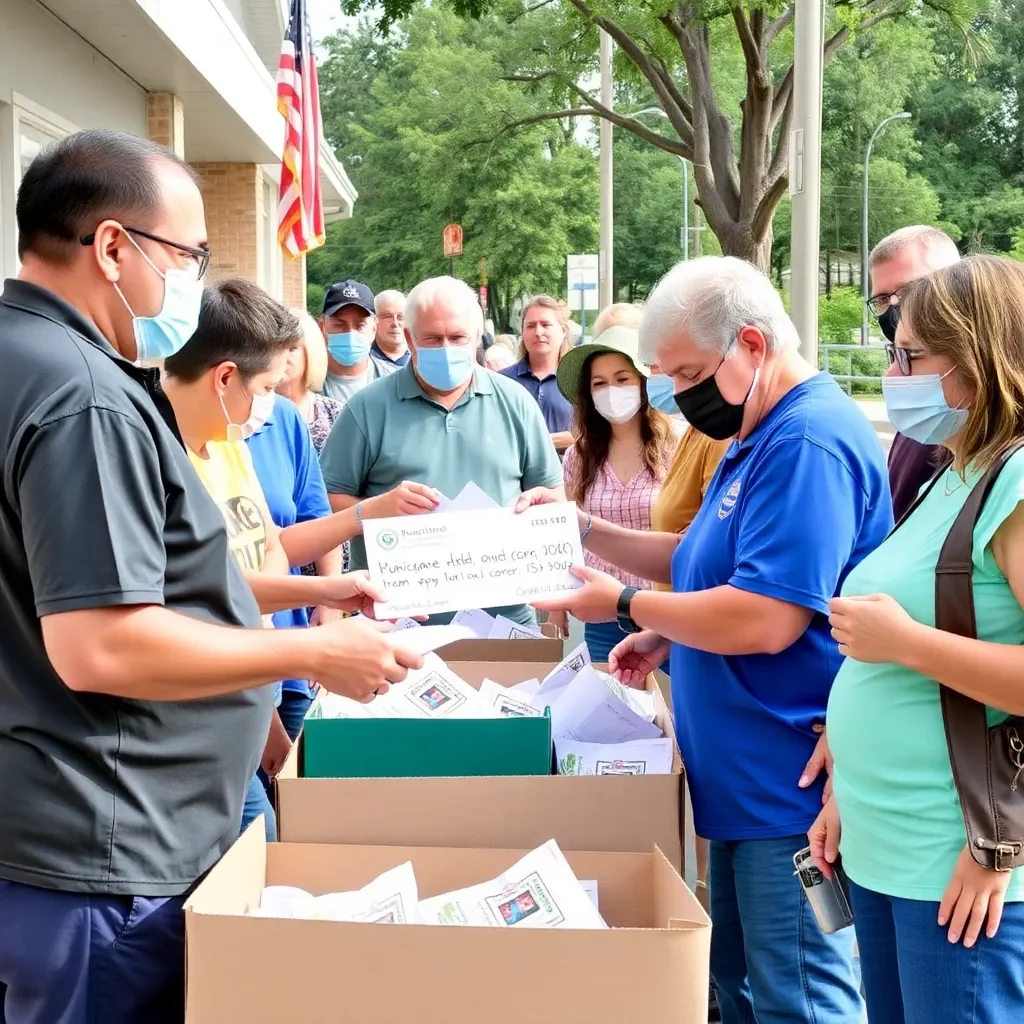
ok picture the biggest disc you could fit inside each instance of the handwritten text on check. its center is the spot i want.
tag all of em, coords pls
(481, 559)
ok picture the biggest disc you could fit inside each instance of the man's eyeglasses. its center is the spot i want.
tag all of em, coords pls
(879, 303)
(201, 256)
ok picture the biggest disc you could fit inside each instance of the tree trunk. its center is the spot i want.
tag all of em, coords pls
(828, 274)
(738, 240)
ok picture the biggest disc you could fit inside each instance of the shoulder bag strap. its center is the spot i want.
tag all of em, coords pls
(964, 718)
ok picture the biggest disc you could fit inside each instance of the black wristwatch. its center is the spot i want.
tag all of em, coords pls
(626, 623)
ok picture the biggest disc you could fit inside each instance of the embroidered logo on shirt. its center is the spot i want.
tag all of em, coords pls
(729, 501)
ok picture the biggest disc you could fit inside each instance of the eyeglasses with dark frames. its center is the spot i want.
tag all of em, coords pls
(201, 256)
(879, 303)
(899, 356)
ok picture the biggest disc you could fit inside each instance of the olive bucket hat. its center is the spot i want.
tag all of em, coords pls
(623, 340)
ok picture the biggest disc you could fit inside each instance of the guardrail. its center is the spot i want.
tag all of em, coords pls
(858, 369)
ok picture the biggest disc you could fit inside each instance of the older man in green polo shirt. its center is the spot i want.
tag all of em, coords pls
(440, 422)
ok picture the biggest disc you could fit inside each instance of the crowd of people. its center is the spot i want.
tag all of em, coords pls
(188, 468)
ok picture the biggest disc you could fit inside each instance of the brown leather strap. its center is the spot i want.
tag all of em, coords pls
(966, 724)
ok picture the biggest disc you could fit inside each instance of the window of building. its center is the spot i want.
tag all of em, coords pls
(269, 260)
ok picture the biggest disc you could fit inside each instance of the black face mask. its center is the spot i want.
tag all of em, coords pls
(706, 410)
(888, 321)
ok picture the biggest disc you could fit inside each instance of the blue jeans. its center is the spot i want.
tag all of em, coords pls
(256, 803)
(74, 958)
(601, 637)
(292, 709)
(770, 962)
(914, 975)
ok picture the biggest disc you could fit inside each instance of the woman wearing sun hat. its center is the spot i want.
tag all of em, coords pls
(623, 448)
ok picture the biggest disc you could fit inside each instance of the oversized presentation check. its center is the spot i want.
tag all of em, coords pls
(487, 558)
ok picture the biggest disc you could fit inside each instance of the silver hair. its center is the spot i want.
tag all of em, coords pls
(388, 295)
(444, 289)
(712, 299)
(939, 249)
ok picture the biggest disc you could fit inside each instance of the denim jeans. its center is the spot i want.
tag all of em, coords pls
(914, 975)
(770, 962)
(601, 637)
(76, 958)
(256, 803)
(292, 709)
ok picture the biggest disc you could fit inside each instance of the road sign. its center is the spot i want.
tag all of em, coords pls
(581, 281)
(453, 240)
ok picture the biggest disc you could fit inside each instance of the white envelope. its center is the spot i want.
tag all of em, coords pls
(587, 711)
(641, 757)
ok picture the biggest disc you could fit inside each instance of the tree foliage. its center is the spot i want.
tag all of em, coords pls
(721, 73)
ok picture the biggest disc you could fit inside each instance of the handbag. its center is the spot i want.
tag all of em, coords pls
(987, 761)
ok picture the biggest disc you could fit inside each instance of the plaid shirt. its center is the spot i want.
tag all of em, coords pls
(627, 505)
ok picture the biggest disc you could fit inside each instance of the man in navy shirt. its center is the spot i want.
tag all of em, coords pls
(545, 334)
(799, 499)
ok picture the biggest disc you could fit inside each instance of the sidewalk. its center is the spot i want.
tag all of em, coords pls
(874, 410)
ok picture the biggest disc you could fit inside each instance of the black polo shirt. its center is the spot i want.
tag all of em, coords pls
(100, 507)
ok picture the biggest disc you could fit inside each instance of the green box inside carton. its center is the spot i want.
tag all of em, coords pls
(376, 748)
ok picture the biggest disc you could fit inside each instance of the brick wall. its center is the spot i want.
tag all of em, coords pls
(233, 196)
(165, 116)
(295, 282)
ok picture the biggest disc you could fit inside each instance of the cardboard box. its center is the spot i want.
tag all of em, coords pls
(549, 650)
(651, 965)
(629, 813)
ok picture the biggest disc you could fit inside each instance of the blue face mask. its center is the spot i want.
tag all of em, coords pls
(349, 349)
(661, 393)
(164, 335)
(445, 368)
(917, 408)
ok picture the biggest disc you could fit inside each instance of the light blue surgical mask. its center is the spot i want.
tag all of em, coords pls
(917, 408)
(661, 393)
(349, 349)
(164, 335)
(445, 368)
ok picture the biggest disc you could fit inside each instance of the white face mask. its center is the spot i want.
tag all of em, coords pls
(262, 410)
(618, 404)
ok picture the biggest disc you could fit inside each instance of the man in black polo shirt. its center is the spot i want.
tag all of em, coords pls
(132, 662)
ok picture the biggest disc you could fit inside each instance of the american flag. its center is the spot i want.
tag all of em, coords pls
(301, 208)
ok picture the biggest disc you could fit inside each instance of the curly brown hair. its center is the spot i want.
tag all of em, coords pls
(973, 313)
(594, 435)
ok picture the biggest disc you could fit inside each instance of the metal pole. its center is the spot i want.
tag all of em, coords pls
(805, 174)
(686, 208)
(865, 273)
(607, 244)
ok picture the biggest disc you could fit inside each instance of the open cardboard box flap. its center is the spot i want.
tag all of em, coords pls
(607, 812)
(651, 964)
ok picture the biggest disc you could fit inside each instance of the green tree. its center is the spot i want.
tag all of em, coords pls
(411, 133)
(721, 73)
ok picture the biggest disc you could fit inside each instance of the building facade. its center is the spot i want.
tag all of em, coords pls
(197, 76)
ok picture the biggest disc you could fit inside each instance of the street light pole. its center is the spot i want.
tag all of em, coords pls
(805, 174)
(684, 235)
(605, 268)
(865, 271)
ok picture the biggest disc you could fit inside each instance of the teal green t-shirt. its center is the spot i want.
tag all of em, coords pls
(902, 824)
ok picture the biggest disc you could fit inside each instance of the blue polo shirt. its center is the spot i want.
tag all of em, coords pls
(289, 473)
(377, 351)
(789, 512)
(553, 404)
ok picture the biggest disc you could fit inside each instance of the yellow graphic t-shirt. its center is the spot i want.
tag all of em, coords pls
(228, 474)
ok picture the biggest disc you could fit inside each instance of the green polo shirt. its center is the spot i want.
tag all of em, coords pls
(495, 436)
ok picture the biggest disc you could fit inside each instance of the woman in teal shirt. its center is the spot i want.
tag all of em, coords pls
(941, 938)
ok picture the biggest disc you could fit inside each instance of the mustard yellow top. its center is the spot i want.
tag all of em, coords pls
(682, 492)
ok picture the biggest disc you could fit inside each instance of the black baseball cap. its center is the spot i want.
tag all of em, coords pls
(348, 293)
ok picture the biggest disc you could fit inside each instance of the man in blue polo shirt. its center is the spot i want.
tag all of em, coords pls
(799, 499)
(545, 334)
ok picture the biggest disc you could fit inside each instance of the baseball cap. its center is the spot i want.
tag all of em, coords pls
(347, 293)
(623, 340)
